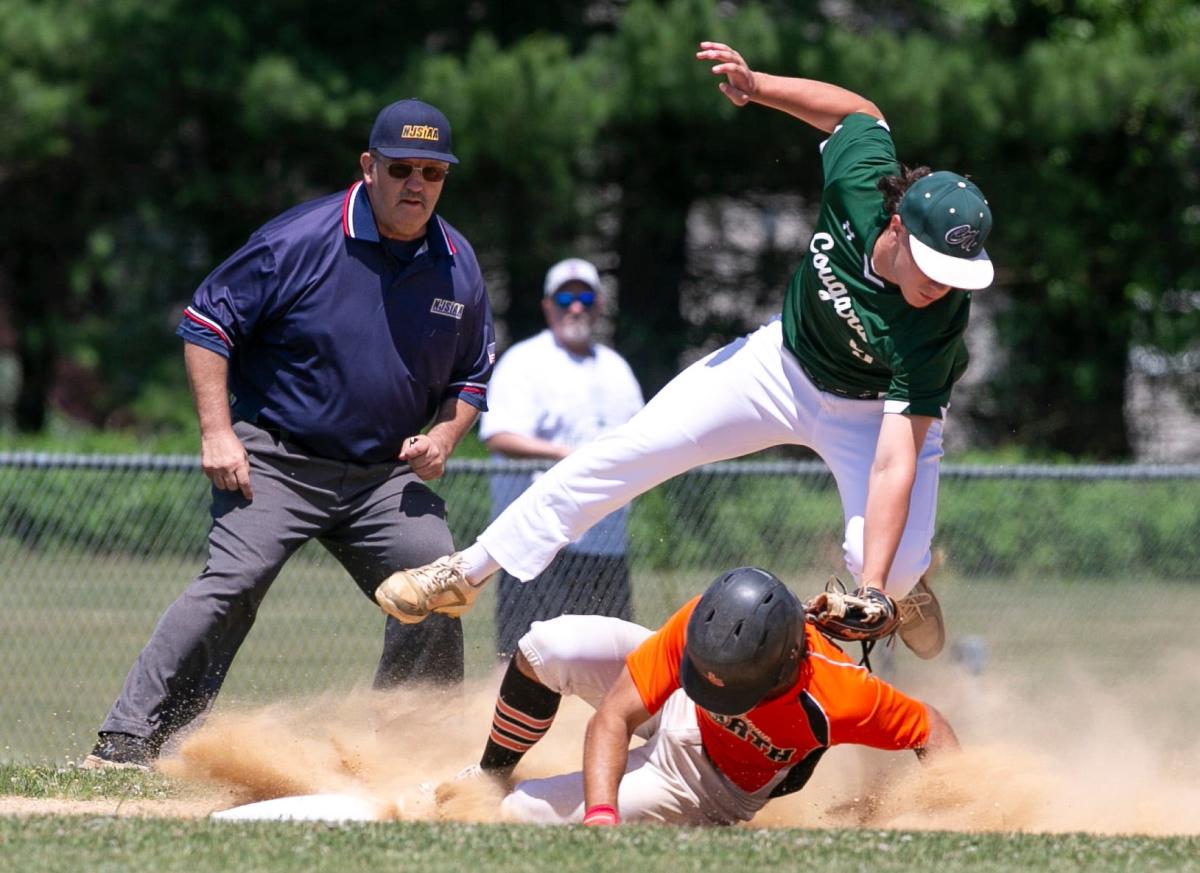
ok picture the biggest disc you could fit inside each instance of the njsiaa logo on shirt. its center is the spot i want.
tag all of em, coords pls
(448, 308)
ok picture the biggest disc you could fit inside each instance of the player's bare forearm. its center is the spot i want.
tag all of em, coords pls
(889, 490)
(942, 738)
(519, 445)
(820, 104)
(606, 743)
(888, 495)
(605, 754)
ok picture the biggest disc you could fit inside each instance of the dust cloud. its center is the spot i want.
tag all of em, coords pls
(1075, 754)
(394, 748)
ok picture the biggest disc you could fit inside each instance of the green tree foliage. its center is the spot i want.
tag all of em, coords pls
(140, 142)
(670, 142)
(148, 136)
(1106, 222)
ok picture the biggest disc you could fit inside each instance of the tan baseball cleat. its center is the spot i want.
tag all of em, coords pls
(921, 625)
(410, 595)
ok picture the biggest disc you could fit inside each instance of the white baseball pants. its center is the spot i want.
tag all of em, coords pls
(668, 780)
(749, 395)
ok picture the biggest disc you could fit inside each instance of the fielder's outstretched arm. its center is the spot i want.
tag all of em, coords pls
(606, 747)
(889, 492)
(818, 103)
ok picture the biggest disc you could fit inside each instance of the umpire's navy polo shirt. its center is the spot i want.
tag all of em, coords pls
(334, 340)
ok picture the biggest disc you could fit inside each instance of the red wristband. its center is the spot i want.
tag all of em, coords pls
(601, 815)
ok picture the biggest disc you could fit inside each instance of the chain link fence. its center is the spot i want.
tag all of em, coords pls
(1039, 561)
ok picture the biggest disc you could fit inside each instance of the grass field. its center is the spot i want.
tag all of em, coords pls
(48, 843)
(112, 842)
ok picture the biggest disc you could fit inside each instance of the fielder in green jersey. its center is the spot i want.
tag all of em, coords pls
(854, 332)
(859, 368)
(878, 307)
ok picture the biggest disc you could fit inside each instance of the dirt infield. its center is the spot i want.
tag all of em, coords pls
(142, 808)
(1079, 756)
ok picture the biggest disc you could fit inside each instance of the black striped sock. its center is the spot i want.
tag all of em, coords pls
(525, 710)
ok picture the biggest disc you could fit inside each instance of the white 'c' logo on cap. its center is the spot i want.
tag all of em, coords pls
(964, 236)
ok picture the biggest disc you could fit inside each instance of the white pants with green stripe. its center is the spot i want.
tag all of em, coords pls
(750, 395)
(669, 780)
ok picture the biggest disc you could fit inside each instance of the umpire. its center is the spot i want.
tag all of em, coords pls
(342, 328)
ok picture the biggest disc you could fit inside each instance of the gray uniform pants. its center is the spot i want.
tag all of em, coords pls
(374, 518)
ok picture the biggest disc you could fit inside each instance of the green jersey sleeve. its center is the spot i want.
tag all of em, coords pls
(858, 152)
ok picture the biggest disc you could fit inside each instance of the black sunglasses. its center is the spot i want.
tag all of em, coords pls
(398, 170)
(565, 298)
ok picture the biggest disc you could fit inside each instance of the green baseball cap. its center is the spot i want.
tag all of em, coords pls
(948, 220)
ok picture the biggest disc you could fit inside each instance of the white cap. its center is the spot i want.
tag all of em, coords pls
(572, 270)
(969, 274)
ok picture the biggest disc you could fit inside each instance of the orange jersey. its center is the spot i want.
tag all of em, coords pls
(834, 701)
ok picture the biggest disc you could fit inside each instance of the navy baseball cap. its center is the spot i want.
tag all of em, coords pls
(412, 129)
(948, 220)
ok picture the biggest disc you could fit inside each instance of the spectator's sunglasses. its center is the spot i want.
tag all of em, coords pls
(564, 299)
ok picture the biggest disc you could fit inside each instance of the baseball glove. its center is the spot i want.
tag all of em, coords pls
(864, 616)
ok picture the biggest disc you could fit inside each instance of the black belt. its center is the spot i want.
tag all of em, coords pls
(842, 392)
(862, 395)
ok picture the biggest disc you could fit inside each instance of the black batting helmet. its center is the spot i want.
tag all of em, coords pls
(744, 639)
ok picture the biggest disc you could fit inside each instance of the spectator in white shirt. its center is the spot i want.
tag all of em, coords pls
(549, 395)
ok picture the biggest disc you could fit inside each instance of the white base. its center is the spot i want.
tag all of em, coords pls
(306, 807)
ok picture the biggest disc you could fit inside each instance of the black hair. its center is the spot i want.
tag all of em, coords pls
(893, 187)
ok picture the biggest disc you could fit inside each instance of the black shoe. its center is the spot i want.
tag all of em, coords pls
(120, 751)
